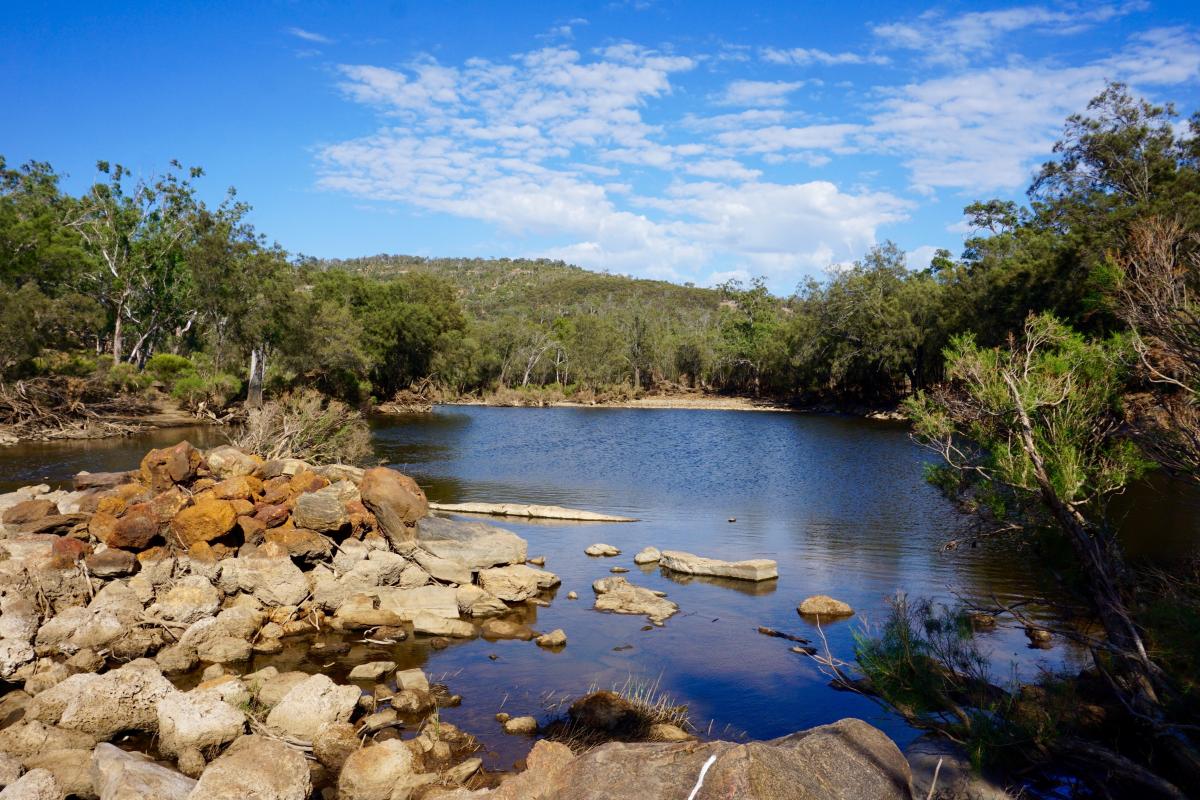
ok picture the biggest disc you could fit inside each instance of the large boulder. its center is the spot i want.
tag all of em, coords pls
(848, 760)
(267, 573)
(199, 719)
(37, 784)
(396, 501)
(191, 599)
(325, 509)
(121, 700)
(622, 597)
(28, 737)
(121, 775)
(255, 768)
(476, 545)
(381, 771)
(229, 462)
(312, 704)
(758, 569)
(205, 521)
(517, 582)
(165, 467)
(71, 768)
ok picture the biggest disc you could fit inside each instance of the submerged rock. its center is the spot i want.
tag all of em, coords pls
(757, 569)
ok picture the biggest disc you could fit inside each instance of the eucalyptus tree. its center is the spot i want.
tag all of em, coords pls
(135, 231)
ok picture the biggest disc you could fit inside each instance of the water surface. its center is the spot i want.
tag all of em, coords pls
(840, 503)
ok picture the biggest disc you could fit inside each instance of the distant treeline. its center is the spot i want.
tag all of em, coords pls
(133, 269)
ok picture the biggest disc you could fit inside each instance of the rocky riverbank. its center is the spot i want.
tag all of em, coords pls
(131, 606)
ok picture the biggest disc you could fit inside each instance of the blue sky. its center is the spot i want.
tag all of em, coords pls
(687, 141)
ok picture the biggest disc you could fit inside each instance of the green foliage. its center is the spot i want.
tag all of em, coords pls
(1065, 387)
(168, 367)
(126, 378)
(924, 661)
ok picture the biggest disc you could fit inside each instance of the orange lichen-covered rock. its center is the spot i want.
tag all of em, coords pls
(135, 529)
(396, 501)
(165, 467)
(165, 505)
(206, 520)
(239, 487)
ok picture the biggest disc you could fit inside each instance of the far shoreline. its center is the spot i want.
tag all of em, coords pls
(689, 403)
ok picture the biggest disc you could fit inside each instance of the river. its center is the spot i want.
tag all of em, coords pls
(839, 502)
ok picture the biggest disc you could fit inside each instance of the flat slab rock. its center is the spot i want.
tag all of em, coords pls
(756, 569)
(475, 545)
(848, 760)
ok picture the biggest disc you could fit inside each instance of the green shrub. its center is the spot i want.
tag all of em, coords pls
(214, 390)
(73, 364)
(168, 367)
(126, 378)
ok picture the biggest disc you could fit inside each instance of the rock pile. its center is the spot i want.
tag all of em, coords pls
(208, 558)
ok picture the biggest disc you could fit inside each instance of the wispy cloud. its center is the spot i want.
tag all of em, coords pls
(309, 36)
(597, 152)
(757, 93)
(550, 143)
(955, 40)
(803, 56)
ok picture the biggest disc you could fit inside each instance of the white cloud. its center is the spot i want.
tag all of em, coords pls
(309, 36)
(757, 93)
(549, 143)
(803, 56)
(920, 257)
(987, 129)
(956, 40)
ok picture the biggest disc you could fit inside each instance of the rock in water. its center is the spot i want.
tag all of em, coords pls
(601, 549)
(757, 569)
(555, 638)
(396, 501)
(821, 605)
(475, 545)
(648, 555)
(622, 597)
(521, 725)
